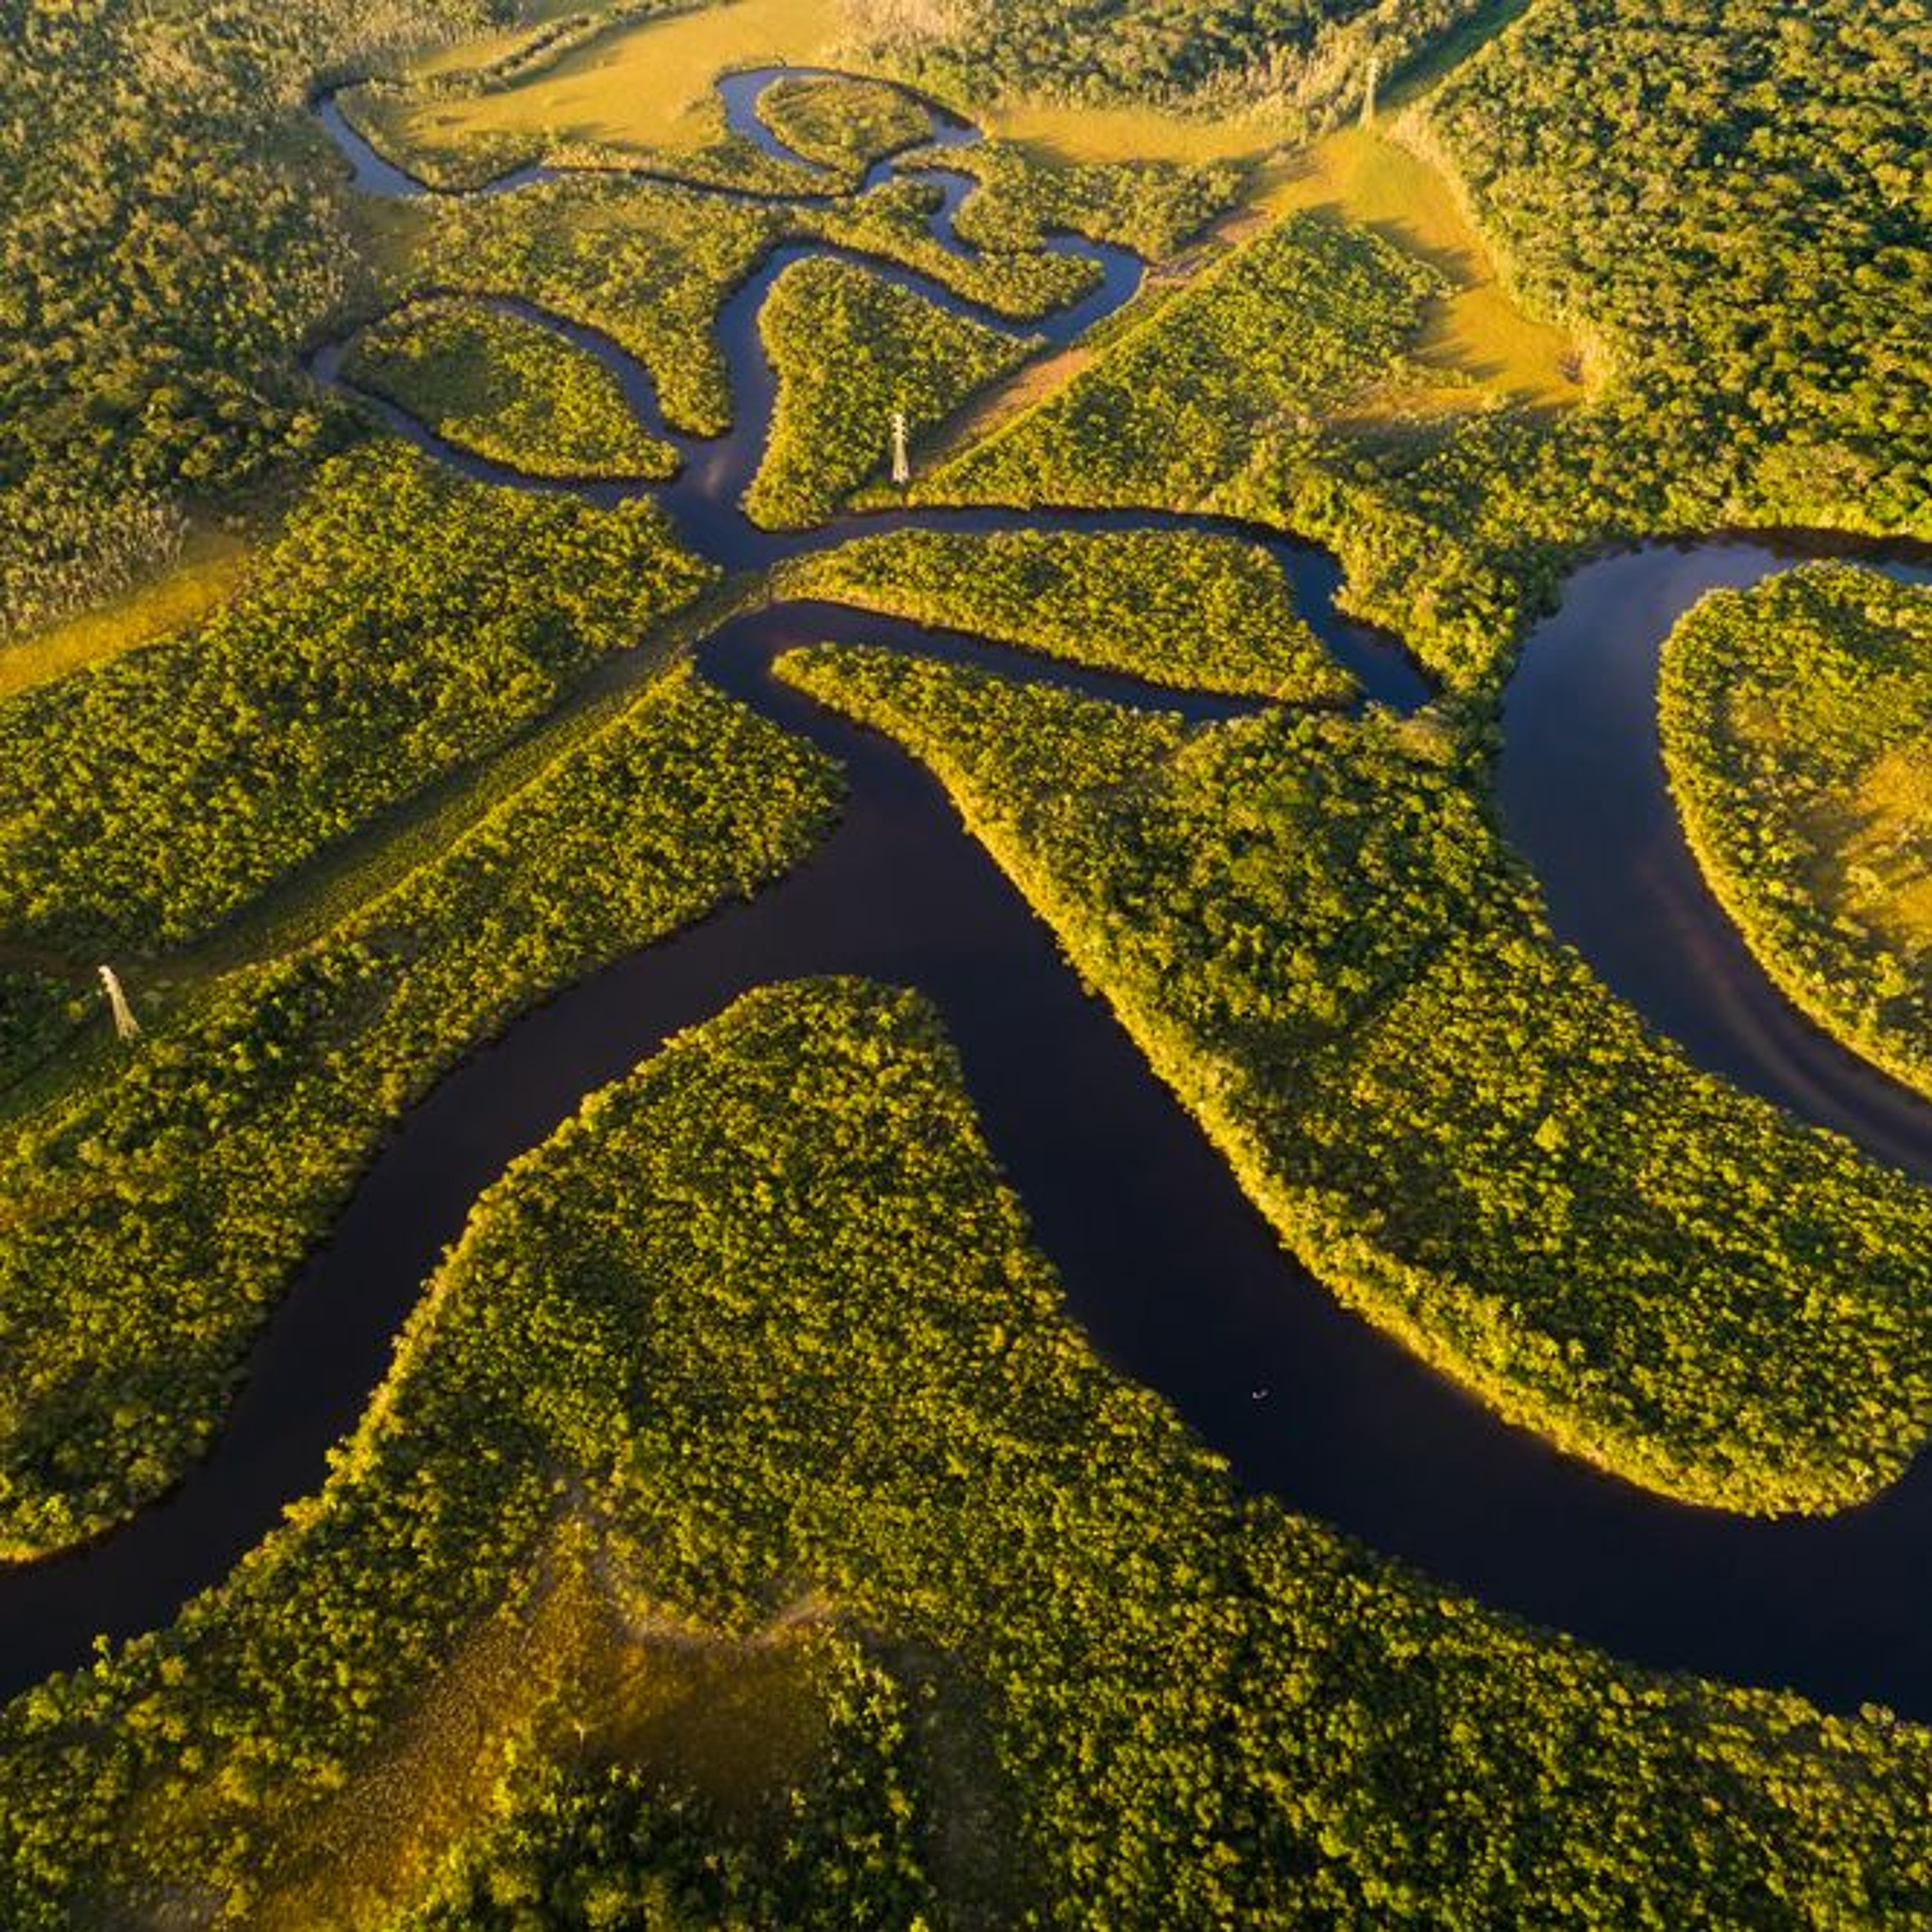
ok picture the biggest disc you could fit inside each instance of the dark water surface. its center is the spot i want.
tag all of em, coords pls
(1165, 1265)
(1585, 798)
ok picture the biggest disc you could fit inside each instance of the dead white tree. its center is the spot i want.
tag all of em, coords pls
(902, 453)
(125, 1024)
(1369, 90)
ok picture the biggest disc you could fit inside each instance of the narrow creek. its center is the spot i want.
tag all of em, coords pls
(1170, 1271)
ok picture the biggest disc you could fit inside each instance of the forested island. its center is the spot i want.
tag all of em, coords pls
(1795, 727)
(687, 686)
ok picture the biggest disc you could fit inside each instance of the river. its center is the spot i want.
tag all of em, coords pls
(1165, 1265)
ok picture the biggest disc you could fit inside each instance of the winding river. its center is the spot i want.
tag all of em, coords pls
(1173, 1274)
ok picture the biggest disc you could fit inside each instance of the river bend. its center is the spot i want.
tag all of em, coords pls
(1171, 1272)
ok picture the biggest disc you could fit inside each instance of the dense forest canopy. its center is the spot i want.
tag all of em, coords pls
(406, 623)
(1113, 49)
(744, 1535)
(1302, 63)
(1733, 192)
(1314, 934)
(1797, 729)
(750, 1381)
(164, 250)
(233, 1131)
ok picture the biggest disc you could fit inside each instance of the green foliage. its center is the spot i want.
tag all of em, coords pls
(405, 622)
(1733, 196)
(507, 388)
(762, 1326)
(892, 223)
(1151, 207)
(35, 1015)
(761, 1316)
(162, 259)
(648, 263)
(629, 103)
(1308, 924)
(1290, 327)
(842, 123)
(1100, 51)
(1797, 728)
(850, 350)
(611, 1845)
(651, 264)
(1208, 612)
(1233, 395)
(1293, 68)
(202, 1163)
(1711, 197)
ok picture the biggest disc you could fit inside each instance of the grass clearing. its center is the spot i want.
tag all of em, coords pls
(202, 577)
(645, 86)
(1892, 812)
(573, 1674)
(1476, 329)
(1071, 134)
(471, 56)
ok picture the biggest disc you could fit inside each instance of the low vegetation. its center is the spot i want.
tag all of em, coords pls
(529, 36)
(1308, 924)
(1210, 613)
(203, 1162)
(1478, 344)
(1797, 726)
(495, 382)
(651, 264)
(638, 90)
(1152, 207)
(435, 141)
(843, 124)
(1295, 325)
(167, 245)
(851, 349)
(189, 583)
(405, 622)
(745, 1536)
